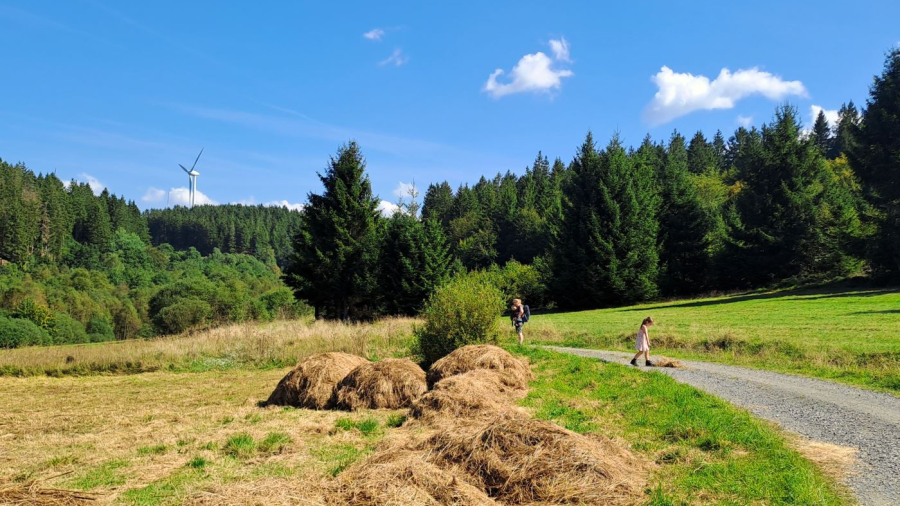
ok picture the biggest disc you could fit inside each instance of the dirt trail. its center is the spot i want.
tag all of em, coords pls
(817, 409)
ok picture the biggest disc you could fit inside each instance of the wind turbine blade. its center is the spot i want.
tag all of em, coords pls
(183, 168)
(198, 158)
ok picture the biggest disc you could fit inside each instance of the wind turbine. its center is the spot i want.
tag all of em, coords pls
(192, 177)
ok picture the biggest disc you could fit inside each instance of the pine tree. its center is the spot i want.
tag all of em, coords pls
(875, 155)
(438, 203)
(844, 141)
(684, 227)
(335, 249)
(701, 156)
(821, 133)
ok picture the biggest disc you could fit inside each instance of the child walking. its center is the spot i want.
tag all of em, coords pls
(642, 345)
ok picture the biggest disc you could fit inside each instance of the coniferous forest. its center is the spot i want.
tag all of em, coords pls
(698, 212)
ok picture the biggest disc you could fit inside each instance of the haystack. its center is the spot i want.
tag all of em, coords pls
(519, 460)
(513, 372)
(390, 383)
(312, 382)
(31, 493)
(474, 394)
(666, 362)
(400, 478)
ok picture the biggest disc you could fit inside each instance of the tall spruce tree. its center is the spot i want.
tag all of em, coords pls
(606, 249)
(821, 133)
(875, 155)
(844, 140)
(438, 203)
(701, 156)
(335, 250)
(414, 260)
(684, 226)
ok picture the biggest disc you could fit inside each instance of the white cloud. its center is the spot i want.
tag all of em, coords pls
(560, 49)
(830, 114)
(374, 34)
(154, 195)
(532, 73)
(397, 58)
(387, 208)
(683, 93)
(182, 197)
(744, 121)
(96, 186)
(285, 203)
(402, 190)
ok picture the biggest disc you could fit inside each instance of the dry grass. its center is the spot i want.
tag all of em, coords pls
(389, 383)
(834, 460)
(405, 478)
(520, 460)
(277, 344)
(667, 362)
(475, 394)
(512, 371)
(32, 493)
(311, 384)
(141, 439)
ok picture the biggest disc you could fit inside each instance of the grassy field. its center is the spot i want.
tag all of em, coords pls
(195, 435)
(246, 346)
(842, 334)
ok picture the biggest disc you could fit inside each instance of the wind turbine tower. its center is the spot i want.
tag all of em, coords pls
(192, 178)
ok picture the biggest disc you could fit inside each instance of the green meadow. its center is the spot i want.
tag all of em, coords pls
(845, 334)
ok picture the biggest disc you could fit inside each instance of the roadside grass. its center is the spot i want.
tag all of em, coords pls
(852, 336)
(250, 345)
(706, 451)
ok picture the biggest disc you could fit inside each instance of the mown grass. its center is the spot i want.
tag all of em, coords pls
(251, 345)
(705, 450)
(846, 335)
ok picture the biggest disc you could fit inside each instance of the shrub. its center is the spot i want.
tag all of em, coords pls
(15, 332)
(67, 330)
(98, 325)
(464, 311)
(279, 302)
(520, 281)
(182, 315)
(38, 314)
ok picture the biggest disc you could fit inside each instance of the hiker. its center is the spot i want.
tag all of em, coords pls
(643, 343)
(519, 314)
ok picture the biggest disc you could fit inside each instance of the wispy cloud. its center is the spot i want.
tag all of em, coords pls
(396, 58)
(181, 196)
(683, 93)
(403, 190)
(744, 121)
(533, 73)
(387, 209)
(96, 186)
(560, 49)
(31, 19)
(153, 195)
(296, 206)
(374, 34)
(830, 114)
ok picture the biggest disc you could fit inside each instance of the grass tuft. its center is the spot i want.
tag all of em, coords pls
(240, 446)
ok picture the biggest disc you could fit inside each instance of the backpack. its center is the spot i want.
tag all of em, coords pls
(527, 315)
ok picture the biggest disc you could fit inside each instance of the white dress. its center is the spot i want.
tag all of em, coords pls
(643, 342)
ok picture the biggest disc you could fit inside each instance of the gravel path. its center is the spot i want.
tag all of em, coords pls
(820, 410)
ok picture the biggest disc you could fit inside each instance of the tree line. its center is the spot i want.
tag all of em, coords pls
(766, 206)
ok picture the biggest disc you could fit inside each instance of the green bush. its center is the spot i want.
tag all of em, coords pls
(15, 332)
(182, 315)
(279, 302)
(520, 281)
(98, 325)
(38, 314)
(67, 330)
(464, 311)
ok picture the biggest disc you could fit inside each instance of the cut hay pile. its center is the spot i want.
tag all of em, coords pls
(513, 372)
(475, 394)
(312, 382)
(401, 478)
(518, 460)
(665, 362)
(30, 493)
(390, 384)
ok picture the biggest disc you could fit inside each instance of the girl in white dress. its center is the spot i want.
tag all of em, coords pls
(642, 344)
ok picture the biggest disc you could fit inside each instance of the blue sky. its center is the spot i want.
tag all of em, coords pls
(121, 92)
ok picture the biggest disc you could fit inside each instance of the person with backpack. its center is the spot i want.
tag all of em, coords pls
(519, 314)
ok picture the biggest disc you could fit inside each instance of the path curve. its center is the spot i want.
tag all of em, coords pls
(817, 409)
